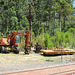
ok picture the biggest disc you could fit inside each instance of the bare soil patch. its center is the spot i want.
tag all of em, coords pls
(32, 58)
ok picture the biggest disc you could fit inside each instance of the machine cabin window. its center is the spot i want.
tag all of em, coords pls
(16, 39)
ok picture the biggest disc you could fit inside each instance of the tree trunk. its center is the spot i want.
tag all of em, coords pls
(7, 23)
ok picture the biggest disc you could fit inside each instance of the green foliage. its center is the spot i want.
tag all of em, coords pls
(58, 35)
(53, 38)
(47, 40)
(63, 36)
(72, 37)
(58, 38)
(39, 38)
(69, 38)
(47, 18)
(24, 24)
(51, 44)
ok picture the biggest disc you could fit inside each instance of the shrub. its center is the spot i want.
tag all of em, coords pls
(51, 44)
(47, 40)
(53, 40)
(58, 38)
(38, 38)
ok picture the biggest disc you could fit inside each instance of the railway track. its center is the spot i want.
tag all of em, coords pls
(50, 69)
(64, 72)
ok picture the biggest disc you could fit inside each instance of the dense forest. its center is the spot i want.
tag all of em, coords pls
(52, 21)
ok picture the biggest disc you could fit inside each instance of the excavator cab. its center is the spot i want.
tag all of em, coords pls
(16, 40)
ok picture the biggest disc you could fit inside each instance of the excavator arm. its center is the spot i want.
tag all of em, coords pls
(27, 42)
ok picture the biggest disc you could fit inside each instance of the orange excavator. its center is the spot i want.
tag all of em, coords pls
(12, 42)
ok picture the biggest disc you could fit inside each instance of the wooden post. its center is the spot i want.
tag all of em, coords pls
(30, 20)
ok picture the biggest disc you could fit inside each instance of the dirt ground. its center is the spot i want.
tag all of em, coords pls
(22, 58)
(15, 62)
(32, 58)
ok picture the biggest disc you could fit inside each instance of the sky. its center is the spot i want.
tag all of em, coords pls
(74, 3)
